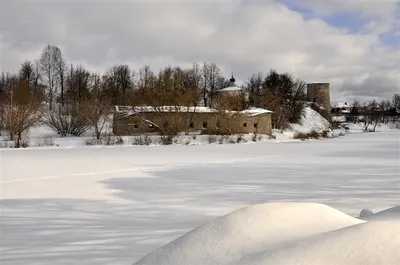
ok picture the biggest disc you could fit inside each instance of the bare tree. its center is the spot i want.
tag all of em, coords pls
(48, 66)
(78, 84)
(214, 81)
(61, 68)
(354, 112)
(97, 112)
(205, 73)
(119, 83)
(372, 115)
(22, 113)
(254, 87)
(146, 77)
(395, 106)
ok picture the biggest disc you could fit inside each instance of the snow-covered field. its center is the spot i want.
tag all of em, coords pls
(115, 205)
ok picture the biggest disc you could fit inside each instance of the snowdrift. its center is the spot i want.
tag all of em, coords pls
(284, 233)
(388, 214)
(311, 121)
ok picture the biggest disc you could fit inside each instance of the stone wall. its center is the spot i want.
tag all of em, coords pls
(208, 122)
(319, 93)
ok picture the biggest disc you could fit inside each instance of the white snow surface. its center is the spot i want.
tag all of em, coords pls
(256, 111)
(281, 234)
(127, 110)
(311, 121)
(116, 205)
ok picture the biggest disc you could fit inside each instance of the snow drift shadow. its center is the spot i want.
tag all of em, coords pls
(55, 231)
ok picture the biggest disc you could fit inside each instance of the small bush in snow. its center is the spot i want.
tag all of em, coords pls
(67, 119)
(45, 142)
(107, 140)
(240, 139)
(7, 144)
(222, 139)
(186, 142)
(325, 134)
(212, 139)
(24, 143)
(142, 140)
(304, 136)
(232, 140)
(166, 139)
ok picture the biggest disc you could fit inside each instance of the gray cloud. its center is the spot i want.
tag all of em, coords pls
(239, 35)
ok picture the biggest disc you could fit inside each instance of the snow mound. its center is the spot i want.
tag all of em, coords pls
(366, 213)
(311, 121)
(250, 235)
(388, 214)
(364, 244)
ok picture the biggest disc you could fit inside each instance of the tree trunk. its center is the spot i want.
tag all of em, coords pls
(18, 142)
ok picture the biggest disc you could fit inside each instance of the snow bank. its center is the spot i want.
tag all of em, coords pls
(311, 121)
(271, 234)
(364, 244)
(381, 127)
(388, 214)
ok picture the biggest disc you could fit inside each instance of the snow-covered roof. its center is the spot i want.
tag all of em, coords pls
(256, 111)
(128, 110)
(343, 105)
(142, 109)
(231, 88)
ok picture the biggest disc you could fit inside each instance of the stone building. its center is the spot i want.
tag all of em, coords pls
(319, 93)
(233, 91)
(145, 119)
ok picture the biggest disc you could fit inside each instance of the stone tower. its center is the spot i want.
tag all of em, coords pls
(320, 93)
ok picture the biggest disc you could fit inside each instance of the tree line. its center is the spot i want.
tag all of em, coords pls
(70, 98)
(374, 112)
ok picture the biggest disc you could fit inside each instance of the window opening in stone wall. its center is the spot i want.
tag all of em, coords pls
(204, 124)
(136, 126)
(245, 125)
(218, 124)
(255, 125)
(191, 124)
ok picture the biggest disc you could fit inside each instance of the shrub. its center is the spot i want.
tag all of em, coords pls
(240, 138)
(48, 141)
(166, 139)
(23, 143)
(335, 125)
(325, 134)
(67, 120)
(305, 136)
(7, 144)
(222, 139)
(231, 140)
(212, 139)
(107, 140)
(142, 140)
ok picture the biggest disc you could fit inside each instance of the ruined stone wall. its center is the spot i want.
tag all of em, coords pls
(212, 122)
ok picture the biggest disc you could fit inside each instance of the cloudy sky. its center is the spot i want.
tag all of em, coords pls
(353, 44)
